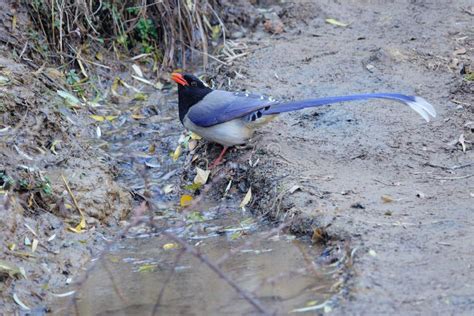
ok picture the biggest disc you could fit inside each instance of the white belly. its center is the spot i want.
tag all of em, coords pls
(235, 132)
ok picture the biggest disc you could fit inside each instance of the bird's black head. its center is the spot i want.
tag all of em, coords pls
(191, 90)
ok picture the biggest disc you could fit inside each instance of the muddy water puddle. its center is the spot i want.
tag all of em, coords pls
(146, 273)
(279, 271)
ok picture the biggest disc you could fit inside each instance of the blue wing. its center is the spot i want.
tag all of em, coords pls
(222, 106)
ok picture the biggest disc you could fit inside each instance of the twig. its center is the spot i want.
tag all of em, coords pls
(168, 279)
(190, 249)
(117, 290)
(459, 102)
(453, 178)
(449, 168)
(72, 196)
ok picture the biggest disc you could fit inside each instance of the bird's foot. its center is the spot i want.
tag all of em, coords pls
(215, 163)
(219, 159)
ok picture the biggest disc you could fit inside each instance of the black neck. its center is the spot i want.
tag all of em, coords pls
(189, 96)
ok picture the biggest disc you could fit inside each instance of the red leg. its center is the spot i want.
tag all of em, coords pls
(218, 159)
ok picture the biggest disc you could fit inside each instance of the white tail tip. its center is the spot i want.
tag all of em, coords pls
(422, 107)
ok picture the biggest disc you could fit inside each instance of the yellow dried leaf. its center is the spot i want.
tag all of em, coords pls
(75, 230)
(185, 200)
(216, 32)
(147, 267)
(177, 153)
(81, 66)
(195, 136)
(170, 246)
(98, 118)
(152, 149)
(12, 247)
(138, 116)
(114, 86)
(14, 22)
(336, 22)
(201, 176)
(247, 198)
(80, 227)
(53, 146)
(101, 118)
(99, 56)
(82, 224)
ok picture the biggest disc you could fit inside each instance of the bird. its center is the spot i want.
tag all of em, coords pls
(229, 118)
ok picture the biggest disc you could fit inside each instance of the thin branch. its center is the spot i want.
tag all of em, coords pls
(168, 279)
(190, 249)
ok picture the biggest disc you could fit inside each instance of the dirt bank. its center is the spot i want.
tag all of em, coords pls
(399, 189)
(45, 151)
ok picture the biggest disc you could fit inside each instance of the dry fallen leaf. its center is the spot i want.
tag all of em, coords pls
(336, 22)
(185, 200)
(192, 144)
(247, 198)
(34, 245)
(170, 246)
(195, 136)
(201, 176)
(69, 98)
(387, 198)
(294, 188)
(460, 51)
(137, 70)
(177, 153)
(114, 86)
(147, 267)
(80, 227)
(101, 118)
(138, 116)
(168, 188)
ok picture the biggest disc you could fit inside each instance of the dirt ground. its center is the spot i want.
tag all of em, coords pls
(397, 190)
(401, 190)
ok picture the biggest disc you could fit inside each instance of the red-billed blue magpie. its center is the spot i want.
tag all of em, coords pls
(229, 118)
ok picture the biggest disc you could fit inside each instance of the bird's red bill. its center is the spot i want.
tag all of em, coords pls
(179, 79)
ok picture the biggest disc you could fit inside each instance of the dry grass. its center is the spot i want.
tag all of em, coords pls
(170, 30)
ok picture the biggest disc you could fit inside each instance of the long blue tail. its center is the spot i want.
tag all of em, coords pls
(418, 104)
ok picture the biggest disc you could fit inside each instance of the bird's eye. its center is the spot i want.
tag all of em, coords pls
(193, 84)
